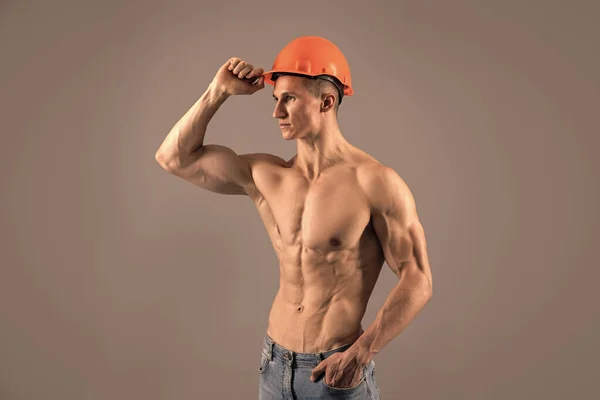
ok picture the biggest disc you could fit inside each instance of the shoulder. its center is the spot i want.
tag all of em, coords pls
(385, 188)
(264, 164)
(265, 168)
(254, 159)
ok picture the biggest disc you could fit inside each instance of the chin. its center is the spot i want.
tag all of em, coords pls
(287, 135)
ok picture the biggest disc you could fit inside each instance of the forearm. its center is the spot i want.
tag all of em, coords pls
(187, 135)
(400, 308)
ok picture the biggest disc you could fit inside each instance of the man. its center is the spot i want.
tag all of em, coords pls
(333, 213)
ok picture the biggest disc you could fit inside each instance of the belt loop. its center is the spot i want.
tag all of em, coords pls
(321, 358)
(271, 351)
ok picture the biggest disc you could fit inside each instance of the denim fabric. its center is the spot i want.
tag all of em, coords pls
(285, 375)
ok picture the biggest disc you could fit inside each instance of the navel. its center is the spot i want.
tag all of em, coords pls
(335, 241)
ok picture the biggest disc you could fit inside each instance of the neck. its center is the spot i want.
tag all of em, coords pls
(320, 150)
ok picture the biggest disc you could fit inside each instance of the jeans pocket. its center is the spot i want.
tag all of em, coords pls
(375, 382)
(348, 390)
(264, 362)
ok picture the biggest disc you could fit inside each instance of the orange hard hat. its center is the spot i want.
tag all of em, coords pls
(316, 57)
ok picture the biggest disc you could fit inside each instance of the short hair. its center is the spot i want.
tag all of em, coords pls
(318, 85)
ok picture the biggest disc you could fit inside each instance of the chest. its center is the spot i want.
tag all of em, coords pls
(330, 212)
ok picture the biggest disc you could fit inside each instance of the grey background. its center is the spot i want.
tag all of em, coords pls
(119, 281)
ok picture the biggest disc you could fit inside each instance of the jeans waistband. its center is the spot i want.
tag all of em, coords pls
(274, 350)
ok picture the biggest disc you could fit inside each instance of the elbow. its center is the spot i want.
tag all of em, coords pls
(174, 164)
(161, 159)
(167, 162)
(427, 287)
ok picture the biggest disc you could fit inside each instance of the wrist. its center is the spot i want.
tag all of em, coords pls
(217, 92)
(361, 352)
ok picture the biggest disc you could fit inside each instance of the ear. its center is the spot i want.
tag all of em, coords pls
(328, 102)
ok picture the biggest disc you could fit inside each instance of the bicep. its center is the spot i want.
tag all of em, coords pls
(218, 169)
(399, 230)
(398, 240)
(405, 252)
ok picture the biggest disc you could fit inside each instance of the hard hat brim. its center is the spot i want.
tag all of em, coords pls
(348, 91)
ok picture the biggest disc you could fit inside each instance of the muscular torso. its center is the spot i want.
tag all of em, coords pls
(329, 255)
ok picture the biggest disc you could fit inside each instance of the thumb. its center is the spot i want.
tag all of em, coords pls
(255, 87)
(260, 84)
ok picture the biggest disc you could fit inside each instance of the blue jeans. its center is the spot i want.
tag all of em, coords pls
(285, 375)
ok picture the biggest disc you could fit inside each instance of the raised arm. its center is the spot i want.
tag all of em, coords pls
(212, 167)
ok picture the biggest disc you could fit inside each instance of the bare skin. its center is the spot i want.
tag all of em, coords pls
(333, 213)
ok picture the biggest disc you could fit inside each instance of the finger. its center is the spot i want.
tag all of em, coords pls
(255, 72)
(241, 65)
(254, 75)
(251, 74)
(319, 369)
(233, 62)
(331, 376)
(257, 84)
(244, 72)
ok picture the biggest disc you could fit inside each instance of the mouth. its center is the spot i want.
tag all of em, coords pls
(284, 125)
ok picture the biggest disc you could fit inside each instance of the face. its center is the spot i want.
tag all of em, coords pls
(296, 110)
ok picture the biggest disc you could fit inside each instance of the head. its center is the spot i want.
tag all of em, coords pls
(307, 104)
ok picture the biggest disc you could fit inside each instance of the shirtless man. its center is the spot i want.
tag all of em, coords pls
(334, 214)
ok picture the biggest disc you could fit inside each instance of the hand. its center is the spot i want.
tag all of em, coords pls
(342, 370)
(236, 77)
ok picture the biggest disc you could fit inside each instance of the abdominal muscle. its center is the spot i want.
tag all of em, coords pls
(321, 302)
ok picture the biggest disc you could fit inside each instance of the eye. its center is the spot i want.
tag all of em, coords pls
(286, 98)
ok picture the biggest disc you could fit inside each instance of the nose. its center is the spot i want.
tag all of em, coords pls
(279, 111)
